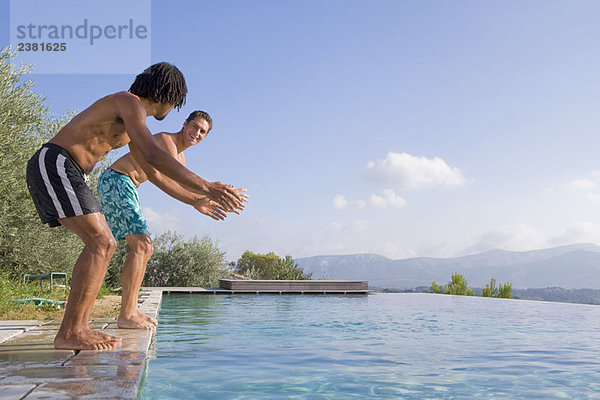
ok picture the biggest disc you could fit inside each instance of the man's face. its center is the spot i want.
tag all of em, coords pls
(195, 131)
(163, 110)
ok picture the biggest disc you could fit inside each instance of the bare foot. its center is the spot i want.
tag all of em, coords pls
(136, 321)
(149, 318)
(86, 339)
(103, 337)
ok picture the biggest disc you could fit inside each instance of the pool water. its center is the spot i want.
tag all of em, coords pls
(381, 346)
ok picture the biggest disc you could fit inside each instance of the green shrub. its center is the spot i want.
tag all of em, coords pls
(457, 286)
(176, 262)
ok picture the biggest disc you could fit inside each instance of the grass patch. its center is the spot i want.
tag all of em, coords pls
(10, 289)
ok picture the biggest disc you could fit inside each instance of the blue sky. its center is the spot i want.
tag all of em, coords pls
(403, 128)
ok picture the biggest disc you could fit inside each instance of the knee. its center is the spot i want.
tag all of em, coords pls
(143, 247)
(104, 244)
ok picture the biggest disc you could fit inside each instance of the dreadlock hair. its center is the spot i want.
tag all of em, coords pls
(161, 82)
(201, 114)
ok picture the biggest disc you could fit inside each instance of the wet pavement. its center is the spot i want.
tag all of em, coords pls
(31, 368)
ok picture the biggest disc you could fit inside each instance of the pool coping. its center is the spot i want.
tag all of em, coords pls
(31, 368)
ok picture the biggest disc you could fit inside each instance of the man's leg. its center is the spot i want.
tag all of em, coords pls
(88, 274)
(140, 251)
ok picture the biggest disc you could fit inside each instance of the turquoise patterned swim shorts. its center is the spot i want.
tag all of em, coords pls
(121, 205)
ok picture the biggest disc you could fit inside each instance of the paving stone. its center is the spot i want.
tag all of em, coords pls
(150, 306)
(31, 367)
(105, 320)
(108, 357)
(45, 352)
(6, 334)
(39, 375)
(15, 357)
(33, 336)
(98, 325)
(19, 323)
(14, 392)
(47, 327)
(10, 329)
(133, 339)
(102, 388)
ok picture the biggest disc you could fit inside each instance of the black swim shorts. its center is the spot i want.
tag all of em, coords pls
(57, 185)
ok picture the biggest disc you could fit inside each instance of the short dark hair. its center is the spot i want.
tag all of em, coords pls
(161, 82)
(203, 115)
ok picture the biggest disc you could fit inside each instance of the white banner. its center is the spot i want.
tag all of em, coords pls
(82, 37)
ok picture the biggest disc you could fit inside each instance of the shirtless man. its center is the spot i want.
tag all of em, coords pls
(117, 189)
(55, 177)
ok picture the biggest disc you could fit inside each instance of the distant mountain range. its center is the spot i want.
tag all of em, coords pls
(571, 267)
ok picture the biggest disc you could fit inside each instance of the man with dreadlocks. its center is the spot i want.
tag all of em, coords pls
(56, 181)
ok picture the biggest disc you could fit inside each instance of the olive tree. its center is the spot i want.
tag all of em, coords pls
(26, 246)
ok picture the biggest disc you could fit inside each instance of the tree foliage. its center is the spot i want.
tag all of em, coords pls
(457, 286)
(26, 246)
(505, 291)
(491, 290)
(269, 266)
(176, 262)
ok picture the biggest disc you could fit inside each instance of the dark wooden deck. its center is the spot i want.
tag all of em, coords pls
(289, 286)
(234, 286)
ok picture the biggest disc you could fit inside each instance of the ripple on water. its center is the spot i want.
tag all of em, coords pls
(412, 346)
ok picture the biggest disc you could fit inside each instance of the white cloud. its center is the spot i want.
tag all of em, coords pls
(516, 237)
(585, 187)
(359, 225)
(593, 197)
(393, 251)
(389, 199)
(340, 202)
(405, 171)
(583, 184)
(159, 223)
(581, 232)
(521, 237)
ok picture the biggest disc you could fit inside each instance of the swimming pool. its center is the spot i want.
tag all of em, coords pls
(412, 346)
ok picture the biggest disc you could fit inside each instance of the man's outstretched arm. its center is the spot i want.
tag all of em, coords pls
(201, 203)
(178, 191)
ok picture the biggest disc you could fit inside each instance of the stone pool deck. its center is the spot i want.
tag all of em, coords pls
(31, 368)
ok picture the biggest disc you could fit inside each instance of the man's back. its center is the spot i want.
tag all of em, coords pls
(95, 131)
